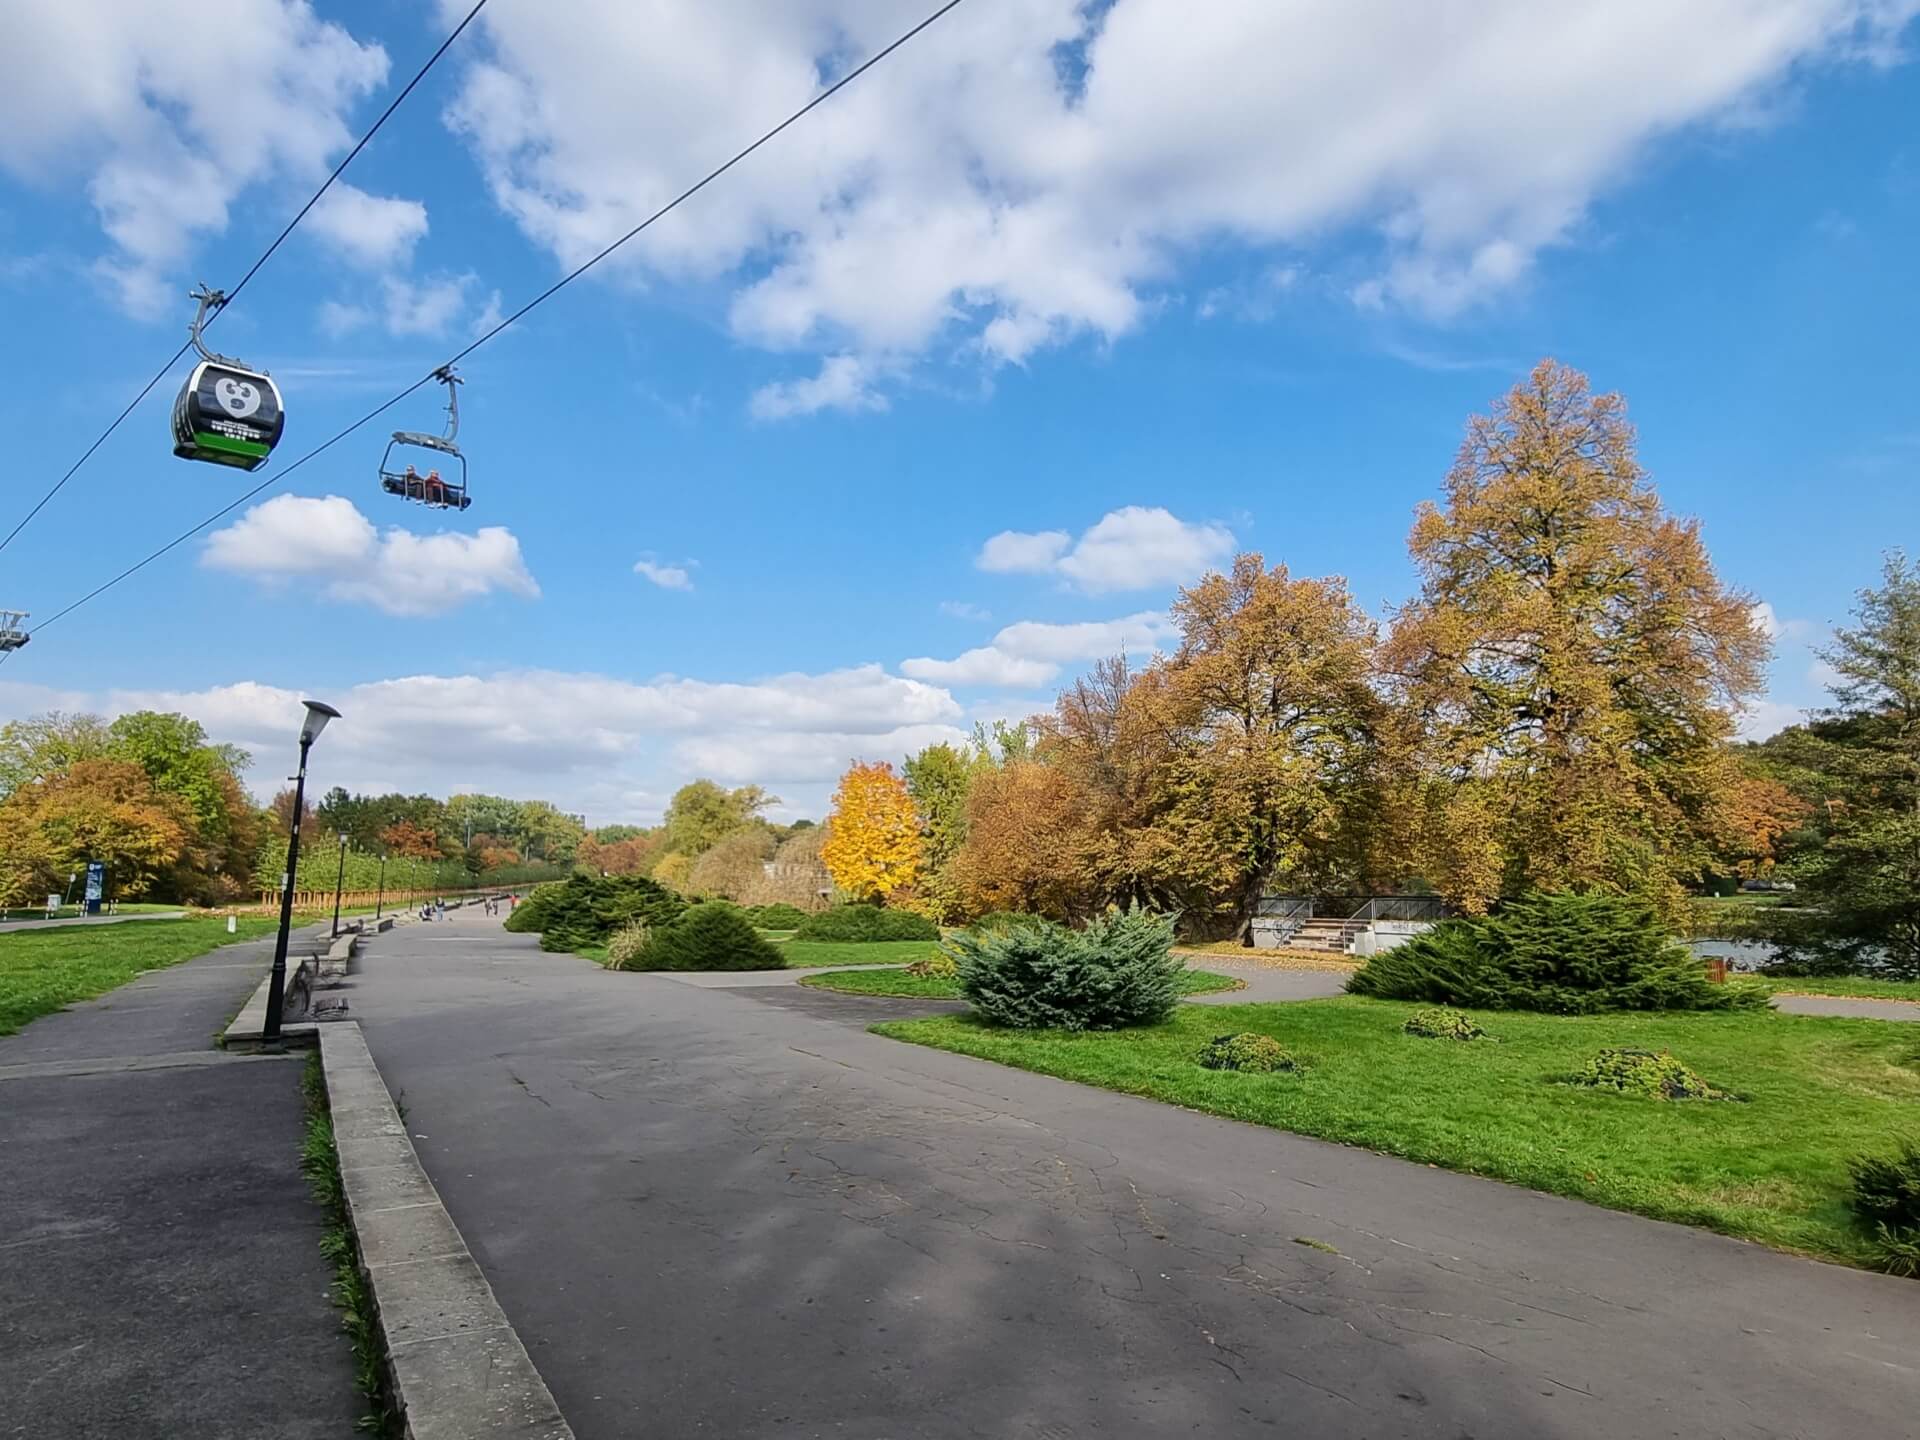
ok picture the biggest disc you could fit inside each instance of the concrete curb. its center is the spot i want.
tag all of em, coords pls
(458, 1368)
(249, 1027)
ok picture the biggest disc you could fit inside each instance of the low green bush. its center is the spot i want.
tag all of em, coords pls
(779, 916)
(1437, 1022)
(1117, 972)
(866, 922)
(1248, 1052)
(997, 920)
(585, 910)
(1564, 954)
(1886, 1199)
(934, 967)
(1653, 1073)
(710, 936)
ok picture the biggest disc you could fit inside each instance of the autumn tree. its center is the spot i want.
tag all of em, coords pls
(94, 810)
(672, 870)
(404, 837)
(1572, 661)
(796, 875)
(730, 868)
(1028, 844)
(873, 845)
(45, 745)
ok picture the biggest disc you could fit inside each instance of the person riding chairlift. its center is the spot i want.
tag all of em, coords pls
(432, 489)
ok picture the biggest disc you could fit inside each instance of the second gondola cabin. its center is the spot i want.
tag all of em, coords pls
(227, 416)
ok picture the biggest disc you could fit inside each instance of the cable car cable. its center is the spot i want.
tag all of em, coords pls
(252, 270)
(540, 299)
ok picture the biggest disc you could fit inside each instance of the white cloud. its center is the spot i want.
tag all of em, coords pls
(398, 571)
(667, 577)
(843, 383)
(1794, 631)
(964, 610)
(611, 748)
(167, 110)
(1018, 552)
(985, 665)
(1133, 548)
(405, 307)
(375, 232)
(1032, 652)
(1762, 718)
(1032, 171)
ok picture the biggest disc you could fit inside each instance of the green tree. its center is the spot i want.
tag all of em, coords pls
(938, 779)
(1865, 878)
(702, 814)
(45, 745)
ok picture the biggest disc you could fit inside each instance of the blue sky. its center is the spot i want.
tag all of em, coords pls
(974, 299)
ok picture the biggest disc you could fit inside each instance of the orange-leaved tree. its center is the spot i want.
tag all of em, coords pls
(1573, 663)
(873, 844)
(104, 810)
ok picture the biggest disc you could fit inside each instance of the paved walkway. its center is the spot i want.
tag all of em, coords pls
(733, 1212)
(10, 925)
(160, 1270)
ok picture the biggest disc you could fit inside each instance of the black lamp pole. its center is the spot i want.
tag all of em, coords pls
(317, 717)
(338, 881)
(381, 898)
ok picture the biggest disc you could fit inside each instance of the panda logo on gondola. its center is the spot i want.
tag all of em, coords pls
(239, 398)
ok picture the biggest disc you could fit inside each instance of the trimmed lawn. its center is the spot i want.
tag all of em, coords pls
(1851, 987)
(898, 982)
(42, 971)
(802, 953)
(1771, 1166)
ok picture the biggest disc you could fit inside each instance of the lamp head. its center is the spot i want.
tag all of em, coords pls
(317, 717)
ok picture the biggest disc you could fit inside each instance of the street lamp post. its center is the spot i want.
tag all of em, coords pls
(317, 717)
(338, 881)
(381, 898)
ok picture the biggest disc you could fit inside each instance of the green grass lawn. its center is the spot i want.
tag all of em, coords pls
(1770, 1167)
(1851, 986)
(40, 971)
(898, 982)
(800, 953)
(68, 912)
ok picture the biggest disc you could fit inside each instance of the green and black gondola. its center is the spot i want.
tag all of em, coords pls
(226, 414)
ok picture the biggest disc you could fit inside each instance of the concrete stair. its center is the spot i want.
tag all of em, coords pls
(1325, 933)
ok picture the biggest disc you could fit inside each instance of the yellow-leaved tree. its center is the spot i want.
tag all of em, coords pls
(873, 845)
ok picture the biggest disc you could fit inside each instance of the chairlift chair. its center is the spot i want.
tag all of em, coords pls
(12, 637)
(226, 414)
(429, 489)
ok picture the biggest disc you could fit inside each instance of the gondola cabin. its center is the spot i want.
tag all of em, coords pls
(227, 416)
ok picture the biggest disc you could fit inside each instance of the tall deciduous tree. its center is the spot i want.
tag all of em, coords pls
(1027, 846)
(702, 814)
(44, 745)
(94, 810)
(731, 868)
(873, 843)
(1572, 660)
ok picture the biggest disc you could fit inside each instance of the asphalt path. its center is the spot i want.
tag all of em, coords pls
(160, 1265)
(730, 1211)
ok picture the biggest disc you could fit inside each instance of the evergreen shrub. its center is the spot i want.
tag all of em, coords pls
(1655, 1074)
(1565, 954)
(713, 935)
(861, 923)
(1886, 1198)
(1437, 1022)
(1247, 1052)
(1117, 972)
(585, 910)
(780, 916)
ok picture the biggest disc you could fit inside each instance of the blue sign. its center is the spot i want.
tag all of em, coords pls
(96, 885)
